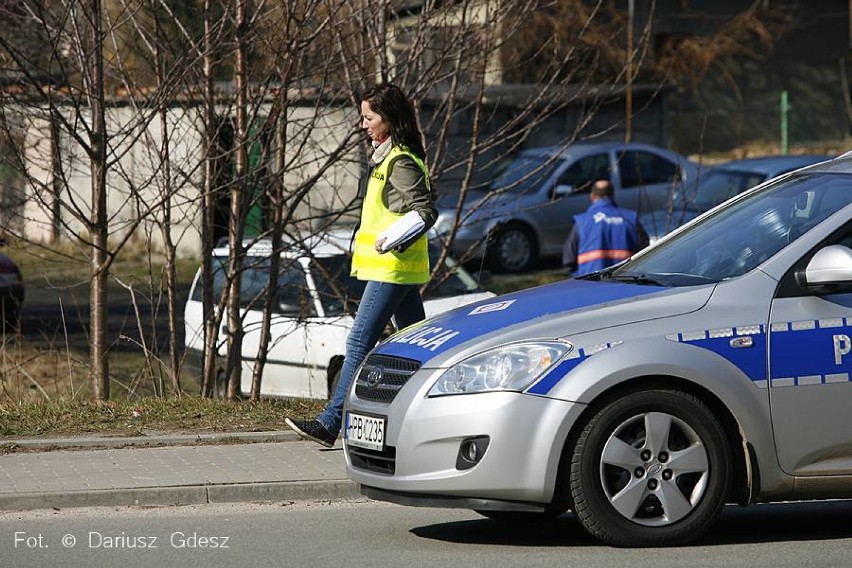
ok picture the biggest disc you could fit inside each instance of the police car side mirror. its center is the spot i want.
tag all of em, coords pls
(830, 266)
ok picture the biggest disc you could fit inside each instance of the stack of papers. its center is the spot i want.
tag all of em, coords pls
(407, 227)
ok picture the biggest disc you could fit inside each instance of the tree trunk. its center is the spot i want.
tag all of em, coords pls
(238, 189)
(98, 223)
(166, 223)
(208, 211)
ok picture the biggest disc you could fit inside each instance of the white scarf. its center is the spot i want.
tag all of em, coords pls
(381, 151)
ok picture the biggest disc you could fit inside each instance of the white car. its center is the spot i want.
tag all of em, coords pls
(314, 313)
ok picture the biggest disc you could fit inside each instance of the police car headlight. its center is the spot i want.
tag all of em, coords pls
(507, 368)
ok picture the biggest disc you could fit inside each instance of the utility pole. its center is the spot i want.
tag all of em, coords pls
(628, 92)
(785, 113)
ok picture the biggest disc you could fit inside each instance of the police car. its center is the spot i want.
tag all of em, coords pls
(714, 367)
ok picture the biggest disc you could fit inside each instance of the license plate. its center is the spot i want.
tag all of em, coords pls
(365, 431)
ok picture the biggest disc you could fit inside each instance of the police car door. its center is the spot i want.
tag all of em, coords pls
(810, 369)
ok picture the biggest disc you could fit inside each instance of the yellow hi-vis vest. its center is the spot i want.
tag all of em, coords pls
(409, 267)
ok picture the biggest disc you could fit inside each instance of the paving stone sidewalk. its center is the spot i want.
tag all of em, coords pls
(169, 475)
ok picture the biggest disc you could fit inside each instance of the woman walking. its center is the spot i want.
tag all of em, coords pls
(391, 250)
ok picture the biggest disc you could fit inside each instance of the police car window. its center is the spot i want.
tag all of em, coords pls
(790, 286)
(737, 238)
(720, 185)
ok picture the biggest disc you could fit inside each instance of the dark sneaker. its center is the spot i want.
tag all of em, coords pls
(312, 430)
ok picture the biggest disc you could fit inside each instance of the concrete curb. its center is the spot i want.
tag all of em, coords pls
(183, 495)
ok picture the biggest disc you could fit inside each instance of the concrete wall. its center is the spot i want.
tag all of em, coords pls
(324, 153)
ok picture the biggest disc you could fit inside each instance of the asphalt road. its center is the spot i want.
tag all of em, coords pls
(60, 316)
(369, 534)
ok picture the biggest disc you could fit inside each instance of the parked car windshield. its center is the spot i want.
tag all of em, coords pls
(293, 296)
(715, 187)
(340, 293)
(525, 173)
(451, 280)
(737, 238)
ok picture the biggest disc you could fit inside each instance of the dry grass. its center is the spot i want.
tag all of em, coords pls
(67, 264)
(773, 148)
(31, 372)
(45, 392)
(184, 414)
(44, 382)
(44, 372)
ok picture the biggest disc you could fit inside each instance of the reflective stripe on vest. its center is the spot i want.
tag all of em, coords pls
(409, 267)
(603, 254)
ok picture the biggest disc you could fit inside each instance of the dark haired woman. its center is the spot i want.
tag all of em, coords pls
(391, 251)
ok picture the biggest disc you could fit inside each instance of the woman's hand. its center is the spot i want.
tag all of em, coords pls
(379, 243)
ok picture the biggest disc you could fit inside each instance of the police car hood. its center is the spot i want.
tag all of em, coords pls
(557, 310)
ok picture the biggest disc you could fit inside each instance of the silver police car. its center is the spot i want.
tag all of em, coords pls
(714, 367)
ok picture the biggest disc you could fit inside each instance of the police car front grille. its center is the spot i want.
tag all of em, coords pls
(382, 377)
(378, 461)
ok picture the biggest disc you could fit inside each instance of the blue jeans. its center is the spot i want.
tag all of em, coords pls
(380, 301)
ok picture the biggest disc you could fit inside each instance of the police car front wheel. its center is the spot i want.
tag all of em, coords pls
(650, 468)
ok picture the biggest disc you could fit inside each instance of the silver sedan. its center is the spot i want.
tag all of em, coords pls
(527, 212)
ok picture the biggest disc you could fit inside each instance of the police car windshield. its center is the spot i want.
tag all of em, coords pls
(742, 235)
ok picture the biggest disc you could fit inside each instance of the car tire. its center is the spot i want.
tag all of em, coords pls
(11, 320)
(512, 248)
(629, 489)
(11, 315)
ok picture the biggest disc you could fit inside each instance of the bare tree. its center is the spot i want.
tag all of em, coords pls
(284, 77)
(64, 94)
